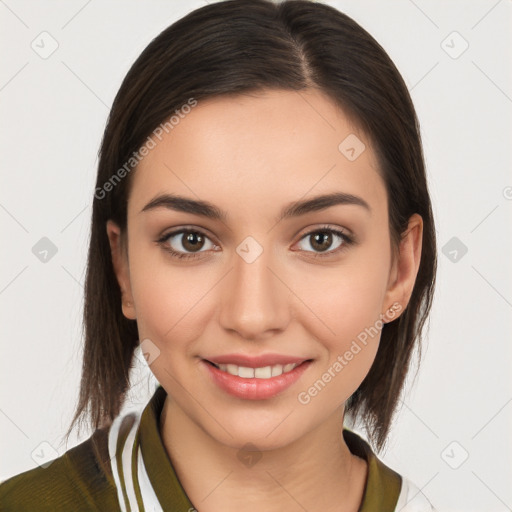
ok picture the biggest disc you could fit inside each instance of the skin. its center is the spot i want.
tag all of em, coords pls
(251, 155)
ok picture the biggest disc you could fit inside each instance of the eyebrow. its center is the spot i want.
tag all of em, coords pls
(295, 209)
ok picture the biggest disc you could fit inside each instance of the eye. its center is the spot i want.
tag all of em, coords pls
(187, 240)
(187, 243)
(322, 238)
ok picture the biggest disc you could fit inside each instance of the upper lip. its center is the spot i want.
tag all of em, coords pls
(256, 361)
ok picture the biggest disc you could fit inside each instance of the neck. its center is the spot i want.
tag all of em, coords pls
(315, 472)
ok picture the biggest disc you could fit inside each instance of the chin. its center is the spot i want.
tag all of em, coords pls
(267, 430)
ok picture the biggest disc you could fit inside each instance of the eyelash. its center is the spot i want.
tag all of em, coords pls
(347, 241)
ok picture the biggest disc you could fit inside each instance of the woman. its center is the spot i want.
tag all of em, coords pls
(262, 232)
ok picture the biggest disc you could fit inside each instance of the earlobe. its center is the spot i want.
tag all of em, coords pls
(121, 268)
(405, 269)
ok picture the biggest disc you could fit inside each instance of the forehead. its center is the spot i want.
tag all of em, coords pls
(261, 149)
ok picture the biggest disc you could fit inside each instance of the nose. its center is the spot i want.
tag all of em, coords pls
(255, 299)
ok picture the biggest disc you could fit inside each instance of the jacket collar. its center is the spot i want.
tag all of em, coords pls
(155, 479)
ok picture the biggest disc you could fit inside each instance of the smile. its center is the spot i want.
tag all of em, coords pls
(265, 372)
(254, 383)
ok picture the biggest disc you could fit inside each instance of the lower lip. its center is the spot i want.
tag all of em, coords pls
(255, 389)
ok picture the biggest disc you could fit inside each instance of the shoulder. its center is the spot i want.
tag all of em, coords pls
(78, 480)
(411, 499)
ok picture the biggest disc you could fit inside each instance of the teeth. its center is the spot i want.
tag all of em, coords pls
(246, 373)
(265, 372)
(277, 370)
(230, 368)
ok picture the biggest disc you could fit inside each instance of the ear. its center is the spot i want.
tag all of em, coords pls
(405, 269)
(121, 268)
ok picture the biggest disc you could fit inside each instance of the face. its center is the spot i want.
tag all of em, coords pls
(251, 290)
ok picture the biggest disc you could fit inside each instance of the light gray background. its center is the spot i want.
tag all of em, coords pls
(53, 111)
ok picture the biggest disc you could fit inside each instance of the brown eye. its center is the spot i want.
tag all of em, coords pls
(185, 243)
(192, 241)
(322, 240)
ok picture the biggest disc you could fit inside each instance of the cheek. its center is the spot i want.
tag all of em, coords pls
(170, 313)
(170, 300)
(348, 302)
(348, 331)
(345, 299)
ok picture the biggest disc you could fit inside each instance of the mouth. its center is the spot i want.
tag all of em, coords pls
(261, 372)
(255, 382)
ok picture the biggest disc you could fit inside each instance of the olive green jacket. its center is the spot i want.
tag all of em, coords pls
(83, 479)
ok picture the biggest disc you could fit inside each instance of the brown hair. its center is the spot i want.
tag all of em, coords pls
(239, 46)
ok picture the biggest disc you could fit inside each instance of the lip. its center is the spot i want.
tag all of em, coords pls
(256, 361)
(255, 389)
